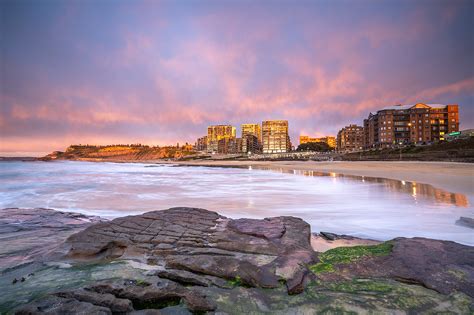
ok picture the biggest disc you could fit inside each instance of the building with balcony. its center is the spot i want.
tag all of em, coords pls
(350, 138)
(275, 137)
(410, 124)
(216, 133)
(249, 132)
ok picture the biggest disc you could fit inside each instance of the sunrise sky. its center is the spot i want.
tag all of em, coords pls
(160, 72)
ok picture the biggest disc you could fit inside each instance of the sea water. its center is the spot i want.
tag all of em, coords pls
(373, 208)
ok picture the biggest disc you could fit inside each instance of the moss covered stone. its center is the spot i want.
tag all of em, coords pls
(344, 255)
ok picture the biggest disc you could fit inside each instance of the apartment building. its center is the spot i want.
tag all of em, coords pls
(275, 137)
(251, 138)
(201, 144)
(410, 124)
(350, 138)
(218, 132)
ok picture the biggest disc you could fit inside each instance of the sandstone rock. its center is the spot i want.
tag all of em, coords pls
(153, 294)
(443, 266)
(203, 243)
(116, 305)
(54, 305)
(29, 234)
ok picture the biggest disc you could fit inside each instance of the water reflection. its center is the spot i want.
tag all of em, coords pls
(412, 188)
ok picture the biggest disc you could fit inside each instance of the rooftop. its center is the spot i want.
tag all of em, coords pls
(408, 106)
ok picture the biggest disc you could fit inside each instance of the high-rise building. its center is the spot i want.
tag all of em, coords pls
(407, 124)
(350, 138)
(329, 140)
(216, 133)
(201, 144)
(275, 136)
(229, 146)
(250, 144)
(249, 132)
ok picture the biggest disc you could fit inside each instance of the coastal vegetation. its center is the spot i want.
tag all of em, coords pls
(314, 146)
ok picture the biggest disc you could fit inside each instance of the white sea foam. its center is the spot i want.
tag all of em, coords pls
(373, 208)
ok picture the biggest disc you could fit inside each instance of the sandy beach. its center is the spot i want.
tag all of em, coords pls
(450, 176)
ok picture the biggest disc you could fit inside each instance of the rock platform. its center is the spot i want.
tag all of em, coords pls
(199, 261)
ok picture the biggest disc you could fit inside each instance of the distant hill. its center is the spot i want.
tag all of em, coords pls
(119, 153)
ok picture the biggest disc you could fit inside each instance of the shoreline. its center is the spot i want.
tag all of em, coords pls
(450, 176)
(456, 177)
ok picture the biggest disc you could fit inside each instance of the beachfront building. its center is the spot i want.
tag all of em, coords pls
(329, 140)
(201, 144)
(251, 138)
(410, 124)
(275, 138)
(216, 133)
(250, 144)
(350, 138)
(229, 146)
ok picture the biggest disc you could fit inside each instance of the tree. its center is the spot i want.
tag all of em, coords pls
(314, 146)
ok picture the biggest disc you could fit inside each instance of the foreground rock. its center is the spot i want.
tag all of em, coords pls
(257, 252)
(199, 261)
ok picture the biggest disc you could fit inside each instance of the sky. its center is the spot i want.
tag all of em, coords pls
(160, 72)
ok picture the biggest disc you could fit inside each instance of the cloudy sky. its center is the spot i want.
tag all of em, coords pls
(159, 72)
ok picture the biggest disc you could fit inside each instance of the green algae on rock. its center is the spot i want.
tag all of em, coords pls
(344, 255)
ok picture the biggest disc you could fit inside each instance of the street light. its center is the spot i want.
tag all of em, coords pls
(400, 146)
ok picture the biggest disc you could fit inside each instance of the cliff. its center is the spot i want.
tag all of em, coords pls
(119, 152)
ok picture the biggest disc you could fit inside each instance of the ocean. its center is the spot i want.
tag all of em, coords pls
(373, 208)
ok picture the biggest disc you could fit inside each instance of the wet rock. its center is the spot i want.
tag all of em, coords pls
(227, 268)
(465, 221)
(328, 236)
(158, 294)
(30, 234)
(188, 278)
(55, 305)
(116, 305)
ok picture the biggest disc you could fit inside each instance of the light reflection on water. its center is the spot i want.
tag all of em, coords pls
(415, 189)
(361, 206)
